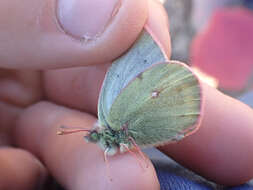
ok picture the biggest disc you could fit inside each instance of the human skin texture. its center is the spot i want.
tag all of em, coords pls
(41, 101)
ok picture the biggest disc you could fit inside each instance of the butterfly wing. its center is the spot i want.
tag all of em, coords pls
(145, 52)
(162, 104)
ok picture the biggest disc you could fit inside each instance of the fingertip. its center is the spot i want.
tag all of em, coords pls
(130, 173)
(221, 149)
(73, 162)
(122, 172)
(158, 25)
(38, 39)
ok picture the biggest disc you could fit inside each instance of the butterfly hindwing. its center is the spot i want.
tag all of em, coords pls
(160, 105)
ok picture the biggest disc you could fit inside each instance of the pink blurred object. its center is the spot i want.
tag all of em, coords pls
(224, 49)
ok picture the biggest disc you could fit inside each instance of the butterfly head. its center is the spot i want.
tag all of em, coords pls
(93, 136)
(108, 140)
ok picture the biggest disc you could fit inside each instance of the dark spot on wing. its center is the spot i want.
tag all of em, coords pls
(155, 94)
(139, 76)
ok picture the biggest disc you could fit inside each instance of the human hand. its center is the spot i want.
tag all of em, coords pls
(43, 101)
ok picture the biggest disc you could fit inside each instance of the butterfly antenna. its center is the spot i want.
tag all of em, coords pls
(139, 150)
(67, 130)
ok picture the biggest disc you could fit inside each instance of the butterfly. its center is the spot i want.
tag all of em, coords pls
(145, 100)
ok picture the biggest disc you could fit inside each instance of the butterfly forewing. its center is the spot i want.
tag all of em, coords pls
(145, 52)
(159, 105)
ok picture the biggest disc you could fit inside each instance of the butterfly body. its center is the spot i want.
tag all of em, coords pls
(111, 140)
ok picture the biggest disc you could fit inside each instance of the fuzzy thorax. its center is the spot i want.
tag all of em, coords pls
(110, 141)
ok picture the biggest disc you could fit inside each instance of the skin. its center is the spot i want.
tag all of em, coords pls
(31, 112)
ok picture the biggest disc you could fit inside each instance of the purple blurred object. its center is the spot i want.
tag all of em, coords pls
(247, 98)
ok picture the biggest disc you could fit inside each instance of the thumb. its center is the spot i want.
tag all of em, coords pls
(45, 34)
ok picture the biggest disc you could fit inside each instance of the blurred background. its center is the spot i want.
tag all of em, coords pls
(215, 37)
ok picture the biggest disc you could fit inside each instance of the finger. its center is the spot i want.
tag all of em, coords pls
(46, 34)
(221, 150)
(20, 170)
(74, 163)
(79, 87)
(8, 117)
(20, 87)
(75, 87)
(158, 23)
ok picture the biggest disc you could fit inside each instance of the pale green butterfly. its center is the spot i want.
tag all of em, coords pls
(145, 100)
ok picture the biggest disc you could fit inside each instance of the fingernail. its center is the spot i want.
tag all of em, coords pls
(86, 18)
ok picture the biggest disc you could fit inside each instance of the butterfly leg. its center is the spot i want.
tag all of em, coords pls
(139, 150)
(133, 154)
(107, 163)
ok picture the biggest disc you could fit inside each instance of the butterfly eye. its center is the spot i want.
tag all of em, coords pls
(92, 137)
